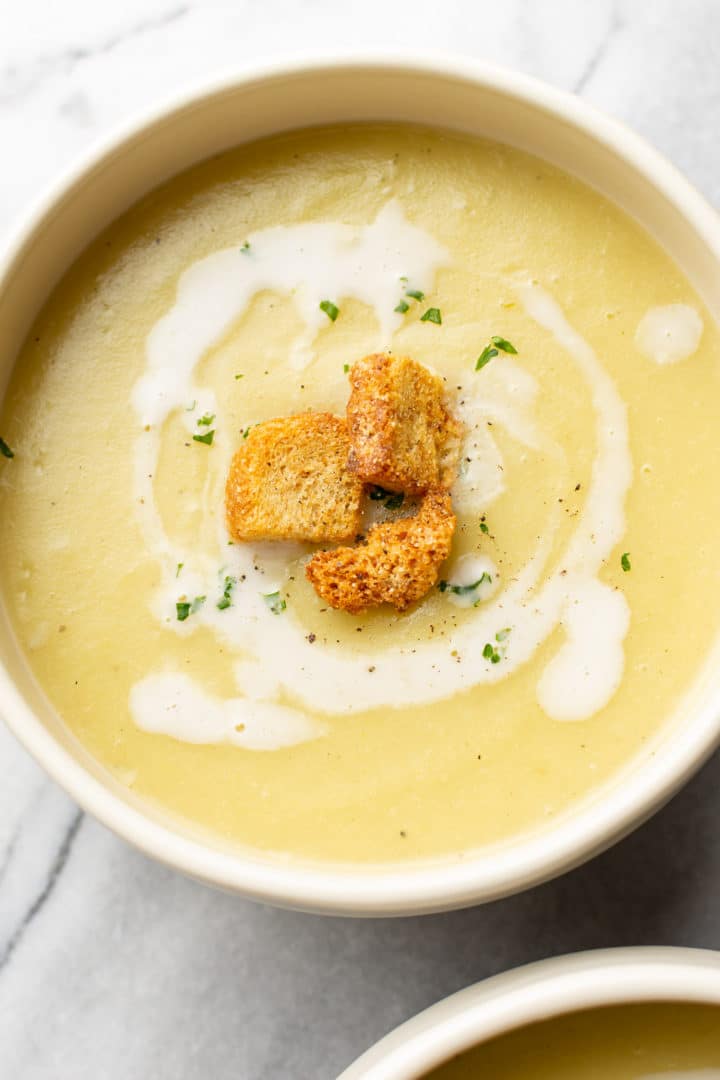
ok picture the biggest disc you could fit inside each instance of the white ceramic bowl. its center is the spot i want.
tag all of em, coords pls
(447, 92)
(537, 992)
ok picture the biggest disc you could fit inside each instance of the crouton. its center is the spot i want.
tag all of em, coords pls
(402, 436)
(289, 481)
(397, 565)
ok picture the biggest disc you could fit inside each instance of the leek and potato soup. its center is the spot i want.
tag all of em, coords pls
(581, 596)
(624, 1042)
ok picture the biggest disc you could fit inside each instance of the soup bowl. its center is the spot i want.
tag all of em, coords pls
(546, 990)
(452, 94)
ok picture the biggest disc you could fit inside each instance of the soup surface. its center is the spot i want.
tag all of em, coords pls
(629, 1042)
(587, 495)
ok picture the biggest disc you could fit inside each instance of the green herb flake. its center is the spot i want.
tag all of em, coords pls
(415, 294)
(490, 653)
(239, 376)
(625, 561)
(206, 438)
(485, 357)
(330, 309)
(179, 568)
(275, 602)
(346, 368)
(245, 249)
(465, 590)
(484, 528)
(5, 449)
(503, 344)
(432, 315)
(225, 600)
(402, 307)
(206, 420)
(246, 432)
(497, 344)
(185, 608)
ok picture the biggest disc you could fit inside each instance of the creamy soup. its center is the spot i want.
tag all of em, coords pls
(629, 1042)
(587, 499)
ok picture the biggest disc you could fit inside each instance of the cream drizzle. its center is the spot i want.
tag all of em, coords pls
(469, 570)
(367, 263)
(506, 397)
(669, 333)
(172, 703)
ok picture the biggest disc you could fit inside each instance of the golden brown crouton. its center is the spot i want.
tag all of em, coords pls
(397, 565)
(402, 436)
(289, 481)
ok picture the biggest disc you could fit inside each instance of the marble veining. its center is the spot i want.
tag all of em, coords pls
(112, 966)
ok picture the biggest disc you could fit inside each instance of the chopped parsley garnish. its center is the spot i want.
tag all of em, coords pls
(465, 590)
(416, 294)
(240, 376)
(225, 600)
(491, 652)
(5, 449)
(497, 345)
(503, 344)
(275, 602)
(206, 420)
(206, 438)
(185, 608)
(331, 310)
(179, 568)
(432, 315)
(346, 368)
(484, 528)
(245, 249)
(625, 561)
(485, 357)
(246, 432)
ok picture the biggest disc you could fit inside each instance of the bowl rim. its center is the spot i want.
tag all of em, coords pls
(393, 889)
(534, 992)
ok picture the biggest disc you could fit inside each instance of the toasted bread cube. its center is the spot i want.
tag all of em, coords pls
(398, 564)
(289, 481)
(402, 436)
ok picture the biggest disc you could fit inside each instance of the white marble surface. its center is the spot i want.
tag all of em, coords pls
(111, 967)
